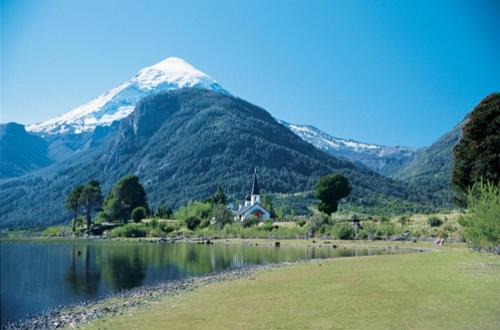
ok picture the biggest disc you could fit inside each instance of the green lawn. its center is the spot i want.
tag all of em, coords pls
(448, 289)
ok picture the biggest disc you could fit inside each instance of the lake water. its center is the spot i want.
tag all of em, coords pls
(36, 276)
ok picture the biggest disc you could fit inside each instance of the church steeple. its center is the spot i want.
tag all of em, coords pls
(255, 194)
(255, 184)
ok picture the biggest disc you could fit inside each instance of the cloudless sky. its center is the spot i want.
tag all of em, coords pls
(387, 72)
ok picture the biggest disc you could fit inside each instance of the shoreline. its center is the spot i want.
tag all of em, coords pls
(137, 298)
(134, 299)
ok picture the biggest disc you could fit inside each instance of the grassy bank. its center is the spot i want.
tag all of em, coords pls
(452, 288)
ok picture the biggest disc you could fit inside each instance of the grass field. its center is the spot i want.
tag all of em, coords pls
(448, 289)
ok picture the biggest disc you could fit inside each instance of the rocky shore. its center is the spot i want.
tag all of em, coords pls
(123, 302)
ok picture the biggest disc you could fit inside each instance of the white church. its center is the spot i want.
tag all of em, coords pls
(252, 205)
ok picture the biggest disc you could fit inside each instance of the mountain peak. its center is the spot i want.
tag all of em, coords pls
(173, 70)
(117, 103)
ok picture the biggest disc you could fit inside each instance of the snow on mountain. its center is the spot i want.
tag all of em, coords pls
(119, 102)
(382, 159)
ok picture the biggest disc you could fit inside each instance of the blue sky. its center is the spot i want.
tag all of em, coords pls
(388, 72)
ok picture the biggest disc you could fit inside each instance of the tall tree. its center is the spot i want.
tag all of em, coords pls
(126, 195)
(73, 203)
(330, 189)
(477, 155)
(219, 196)
(91, 200)
(267, 203)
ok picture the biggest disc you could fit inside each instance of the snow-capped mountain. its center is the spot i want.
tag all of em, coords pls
(382, 159)
(117, 103)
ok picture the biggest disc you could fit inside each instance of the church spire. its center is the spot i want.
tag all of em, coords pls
(255, 184)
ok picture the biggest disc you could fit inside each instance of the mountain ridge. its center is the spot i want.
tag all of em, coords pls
(182, 144)
(382, 159)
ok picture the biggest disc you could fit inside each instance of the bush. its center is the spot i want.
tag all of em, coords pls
(369, 231)
(317, 223)
(166, 228)
(481, 223)
(222, 215)
(194, 209)
(192, 222)
(387, 230)
(434, 221)
(129, 230)
(342, 231)
(250, 221)
(138, 214)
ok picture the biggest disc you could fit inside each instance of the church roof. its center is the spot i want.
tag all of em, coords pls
(255, 185)
(247, 208)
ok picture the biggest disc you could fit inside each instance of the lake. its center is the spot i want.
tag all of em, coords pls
(39, 275)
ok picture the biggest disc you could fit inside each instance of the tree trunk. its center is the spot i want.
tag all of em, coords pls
(89, 220)
(75, 215)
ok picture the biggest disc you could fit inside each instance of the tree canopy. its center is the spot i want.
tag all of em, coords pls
(125, 196)
(91, 200)
(330, 189)
(219, 196)
(477, 155)
(73, 202)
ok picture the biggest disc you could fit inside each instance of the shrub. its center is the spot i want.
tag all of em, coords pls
(481, 223)
(129, 230)
(204, 223)
(222, 215)
(434, 221)
(369, 231)
(192, 222)
(317, 223)
(250, 221)
(342, 231)
(154, 223)
(166, 228)
(194, 209)
(404, 220)
(138, 214)
(266, 226)
(386, 230)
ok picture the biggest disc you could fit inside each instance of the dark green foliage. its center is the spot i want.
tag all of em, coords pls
(129, 230)
(164, 212)
(342, 230)
(434, 221)
(482, 221)
(138, 214)
(330, 189)
(192, 222)
(221, 215)
(267, 203)
(91, 200)
(429, 173)
(477, 155)
(73, 203)
(250, 221)
(219, 196)
(126, 195)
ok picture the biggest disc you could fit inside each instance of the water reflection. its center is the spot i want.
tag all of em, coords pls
(82, 276)
(41, 275)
